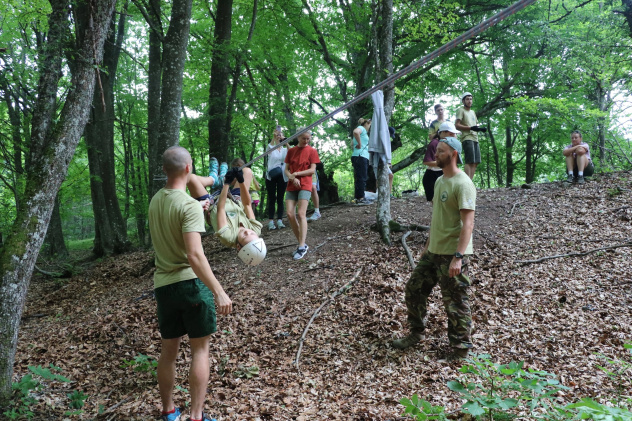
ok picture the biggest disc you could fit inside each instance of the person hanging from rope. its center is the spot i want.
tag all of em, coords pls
(300, 165)
(232, 220)
(467, 123)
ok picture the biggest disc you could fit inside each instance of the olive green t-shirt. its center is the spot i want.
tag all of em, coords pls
(467, 118)
(235, 216)
(172, 212)
(451, 195)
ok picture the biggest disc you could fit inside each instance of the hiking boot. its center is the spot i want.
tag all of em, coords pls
(300, 252)
(362, 201)
(569, 178)
(271, 225)
(457, 354)
(580, 179)
(204, 418)
(315, 217)
(172, 416)
(280, 224)
(407, 341)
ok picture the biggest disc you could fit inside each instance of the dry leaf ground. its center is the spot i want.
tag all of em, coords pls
(556, 315)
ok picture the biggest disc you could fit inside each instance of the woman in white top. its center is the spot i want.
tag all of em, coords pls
(275, 182)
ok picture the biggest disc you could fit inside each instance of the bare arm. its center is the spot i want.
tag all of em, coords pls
(460, 126)
(356, 135)
(430, 163)
(310, 171)
(199, 264)
(221, 207)
(467, 218)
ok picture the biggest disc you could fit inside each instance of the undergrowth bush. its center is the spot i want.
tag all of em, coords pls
(509, 391)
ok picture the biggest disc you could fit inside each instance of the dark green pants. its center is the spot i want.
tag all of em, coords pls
(433, 269)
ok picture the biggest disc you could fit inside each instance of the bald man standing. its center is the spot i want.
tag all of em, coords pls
(186, 290)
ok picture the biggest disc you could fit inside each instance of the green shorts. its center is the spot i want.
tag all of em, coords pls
(185, 308)
(298, 195)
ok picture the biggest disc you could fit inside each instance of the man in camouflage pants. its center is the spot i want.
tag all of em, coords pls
(444, 258)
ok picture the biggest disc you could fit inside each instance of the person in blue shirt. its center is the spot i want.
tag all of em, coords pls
(360, 158)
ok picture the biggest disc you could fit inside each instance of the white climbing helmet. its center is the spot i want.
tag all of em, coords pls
(253, 253)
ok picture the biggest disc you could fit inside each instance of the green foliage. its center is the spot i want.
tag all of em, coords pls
(246, 372)
(490, 387)
(422, 410)
(23, 390)
(142, 363)
(588, 409)
(77, 398)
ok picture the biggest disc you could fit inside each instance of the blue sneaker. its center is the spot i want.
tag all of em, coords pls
(213, 165)
(173, 416)
(223, 169)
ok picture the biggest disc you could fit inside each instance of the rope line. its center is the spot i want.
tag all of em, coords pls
(486, 24)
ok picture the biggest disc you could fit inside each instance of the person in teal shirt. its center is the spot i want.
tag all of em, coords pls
(360, 158)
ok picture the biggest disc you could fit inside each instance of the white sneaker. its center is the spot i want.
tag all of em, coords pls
(271, 225)
(315, 217)
(280, 224)
(300, 252)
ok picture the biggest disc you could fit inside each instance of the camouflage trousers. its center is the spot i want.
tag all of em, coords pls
(433, 269)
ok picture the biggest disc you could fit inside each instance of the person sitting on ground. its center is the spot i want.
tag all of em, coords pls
(578, 162)
(233, 220)
(445, 129)
(300, 165)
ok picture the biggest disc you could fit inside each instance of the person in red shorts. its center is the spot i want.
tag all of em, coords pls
(300, 165)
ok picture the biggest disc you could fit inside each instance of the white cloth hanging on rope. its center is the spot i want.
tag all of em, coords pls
(379, 138)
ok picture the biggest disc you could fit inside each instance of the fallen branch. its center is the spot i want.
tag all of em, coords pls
(325, 303)
(282, 247)
(407, 250)
(580, 240)
(618, 209)
(397, 227)
(512, 209)
(65, 274)
(628, 243)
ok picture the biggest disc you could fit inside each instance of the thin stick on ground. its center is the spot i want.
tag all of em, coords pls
(628, 243)
(325, 303)
(407, 250)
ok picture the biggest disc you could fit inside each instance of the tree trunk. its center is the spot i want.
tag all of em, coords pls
(328, 188)
(530, 156)
(383, 209)
(52, 151)
(499, 174)
(627, 12)
(54, 241)
(154, 81)
(110, 229)
(509, 155)
(218, 129)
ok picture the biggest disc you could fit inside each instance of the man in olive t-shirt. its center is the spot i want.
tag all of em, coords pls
(186, 290)
(444, 259)
(467, 123)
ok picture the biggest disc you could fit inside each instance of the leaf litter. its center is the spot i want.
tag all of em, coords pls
(557, 315)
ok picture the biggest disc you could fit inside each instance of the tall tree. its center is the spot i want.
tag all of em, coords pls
(218, 122)
(110, 228)
(53, 143)
(174, 55)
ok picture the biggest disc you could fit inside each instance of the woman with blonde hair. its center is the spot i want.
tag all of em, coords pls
(360, 158)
